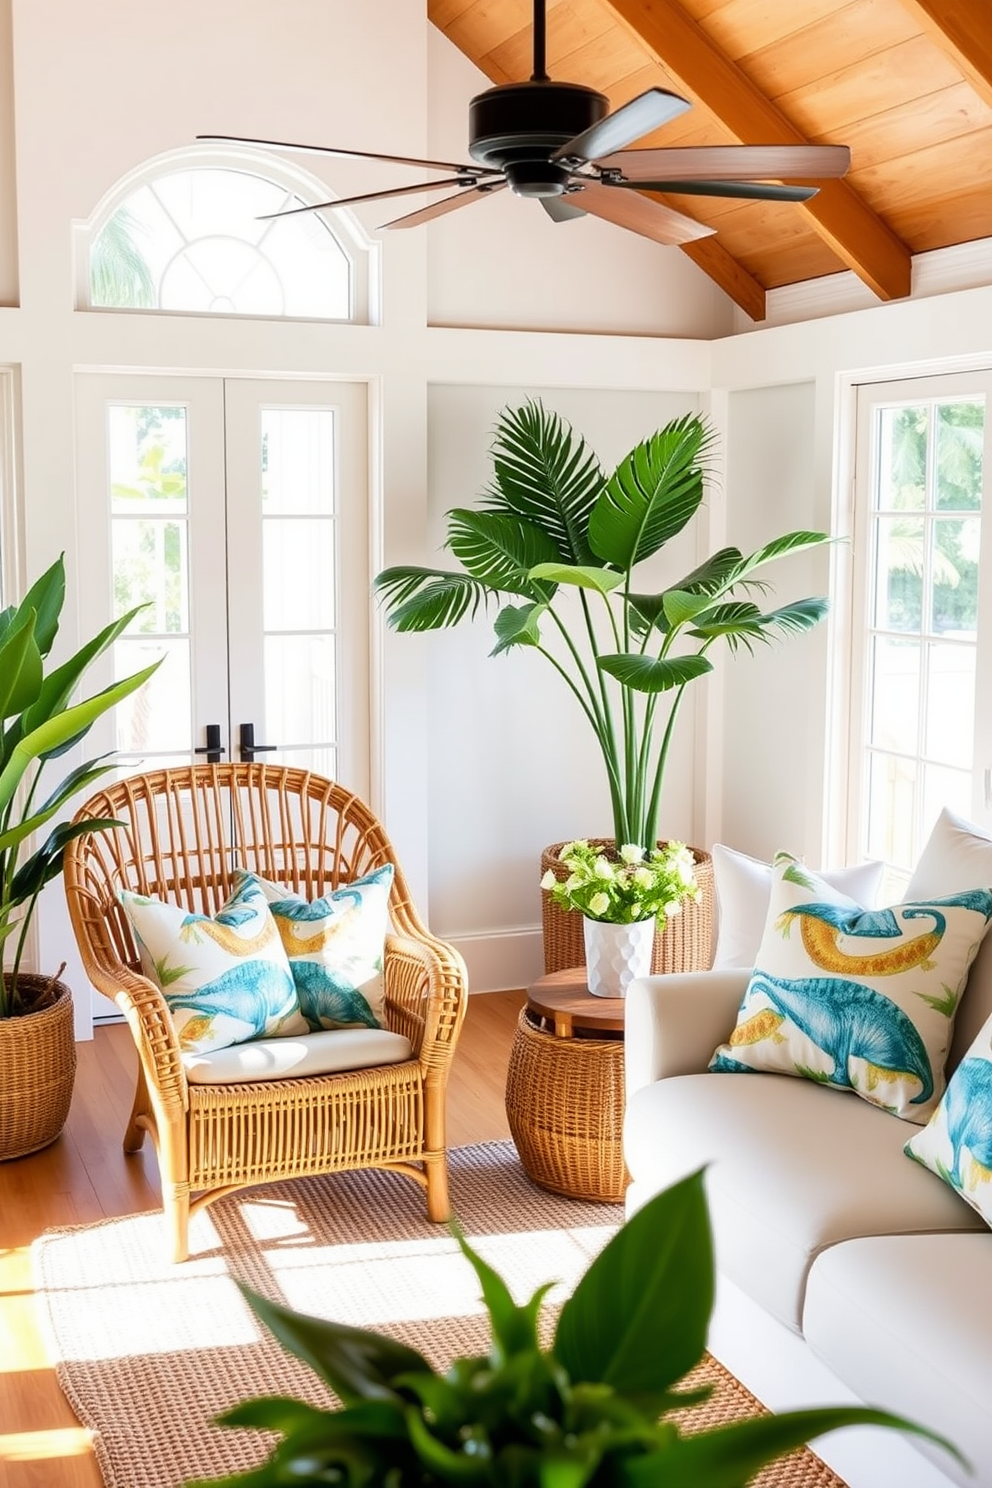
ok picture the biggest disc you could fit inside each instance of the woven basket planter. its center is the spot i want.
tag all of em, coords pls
(37, 1069)
(564, 1106)
(685, 944)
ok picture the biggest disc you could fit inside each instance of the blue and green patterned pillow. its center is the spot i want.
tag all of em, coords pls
(226, 979)
(335, 947)
(956, 1142)
(858, 999)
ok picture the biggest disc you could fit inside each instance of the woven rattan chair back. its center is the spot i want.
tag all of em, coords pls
(181, 834)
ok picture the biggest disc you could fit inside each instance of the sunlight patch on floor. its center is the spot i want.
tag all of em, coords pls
(40, 1446)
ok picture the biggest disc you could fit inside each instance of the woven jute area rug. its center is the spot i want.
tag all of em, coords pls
(148, 1352)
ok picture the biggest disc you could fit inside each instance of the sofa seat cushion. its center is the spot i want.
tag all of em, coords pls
(793, 1168)
(906, 1322)
(292, 1058)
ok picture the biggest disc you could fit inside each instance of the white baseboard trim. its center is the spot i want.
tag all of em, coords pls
(500, 960)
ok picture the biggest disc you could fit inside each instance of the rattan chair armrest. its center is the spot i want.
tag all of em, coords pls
(673, 1023)
(152, 1029)
(426, 987)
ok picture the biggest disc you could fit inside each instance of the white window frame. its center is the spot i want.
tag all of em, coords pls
(361, 251)
(866, 396)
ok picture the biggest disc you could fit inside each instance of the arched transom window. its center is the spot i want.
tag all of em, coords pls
(200, 239)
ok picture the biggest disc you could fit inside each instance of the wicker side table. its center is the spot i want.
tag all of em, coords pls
(565, 1088)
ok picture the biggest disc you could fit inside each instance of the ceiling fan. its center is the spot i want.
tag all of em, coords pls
(558, 142)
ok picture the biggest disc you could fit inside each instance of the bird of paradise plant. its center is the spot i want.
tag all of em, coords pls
(39, 723)
(552, 523)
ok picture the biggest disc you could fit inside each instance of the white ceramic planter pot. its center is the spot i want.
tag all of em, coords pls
(616, 954)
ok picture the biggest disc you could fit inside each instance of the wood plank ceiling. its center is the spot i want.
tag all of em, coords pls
(906, 84)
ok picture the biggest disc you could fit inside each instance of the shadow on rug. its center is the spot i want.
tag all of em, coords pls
(148, 1352)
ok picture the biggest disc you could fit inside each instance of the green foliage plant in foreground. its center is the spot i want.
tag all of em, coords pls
(591, 1409)
(39, 722)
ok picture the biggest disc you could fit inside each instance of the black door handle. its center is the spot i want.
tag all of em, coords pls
(249, 748)
(213, 748)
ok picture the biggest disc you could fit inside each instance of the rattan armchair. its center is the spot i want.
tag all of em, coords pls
(182, 833)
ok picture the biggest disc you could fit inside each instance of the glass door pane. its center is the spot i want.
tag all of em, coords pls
(151, 480)
(298, 504)
(919, 737)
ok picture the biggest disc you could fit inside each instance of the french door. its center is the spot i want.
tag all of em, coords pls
(236, 511)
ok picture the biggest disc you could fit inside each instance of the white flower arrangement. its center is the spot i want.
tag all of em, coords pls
(640, 886)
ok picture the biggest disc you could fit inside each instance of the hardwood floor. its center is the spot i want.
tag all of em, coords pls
(84, 1176)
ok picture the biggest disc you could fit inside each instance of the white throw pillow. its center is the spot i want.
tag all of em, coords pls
(743, 888)
(335, 947)
(225, 978)
(857, 999)
(957, 856)
(956, 1142)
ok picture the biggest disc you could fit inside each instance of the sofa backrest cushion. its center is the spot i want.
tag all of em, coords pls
(958, 856)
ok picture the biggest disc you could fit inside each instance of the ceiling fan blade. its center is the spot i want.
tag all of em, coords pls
(641, 215)
(238, 139)
(646, 112)
(731, 162)
(561, 209)
(350, 201)
(447, 204)
(747, 190)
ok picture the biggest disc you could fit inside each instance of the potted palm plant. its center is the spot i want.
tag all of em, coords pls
(40, 723)
(555, 545)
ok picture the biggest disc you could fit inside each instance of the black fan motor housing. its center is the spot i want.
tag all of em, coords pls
(517, 127)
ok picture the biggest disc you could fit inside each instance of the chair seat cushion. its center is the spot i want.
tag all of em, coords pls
(289, 1058)
(793, 1168)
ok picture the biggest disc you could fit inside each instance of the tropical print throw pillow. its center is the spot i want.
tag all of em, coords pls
(225, 978)
(335, 947)
(859, 999)
(956, 1142)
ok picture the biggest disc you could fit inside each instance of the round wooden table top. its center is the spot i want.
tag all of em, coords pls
(565, 1000)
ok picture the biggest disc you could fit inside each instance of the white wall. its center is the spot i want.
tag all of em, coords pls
(772, 726)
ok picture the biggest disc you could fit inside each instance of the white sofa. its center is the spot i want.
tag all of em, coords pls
(846, 1271)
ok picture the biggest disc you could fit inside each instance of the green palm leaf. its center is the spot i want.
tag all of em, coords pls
(428, 598)
(546, 473)
(517, 625)
(20, 665)
(60, 684)
(54, 732)
(708, 578)
(790, 542)
(743, 623)
(647, 674)
(603, 580)
(500, 550)
(652, 494)
(46, 597)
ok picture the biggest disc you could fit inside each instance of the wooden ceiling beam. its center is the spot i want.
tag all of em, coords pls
(729, 275)
(859, 237)
(962, 29)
